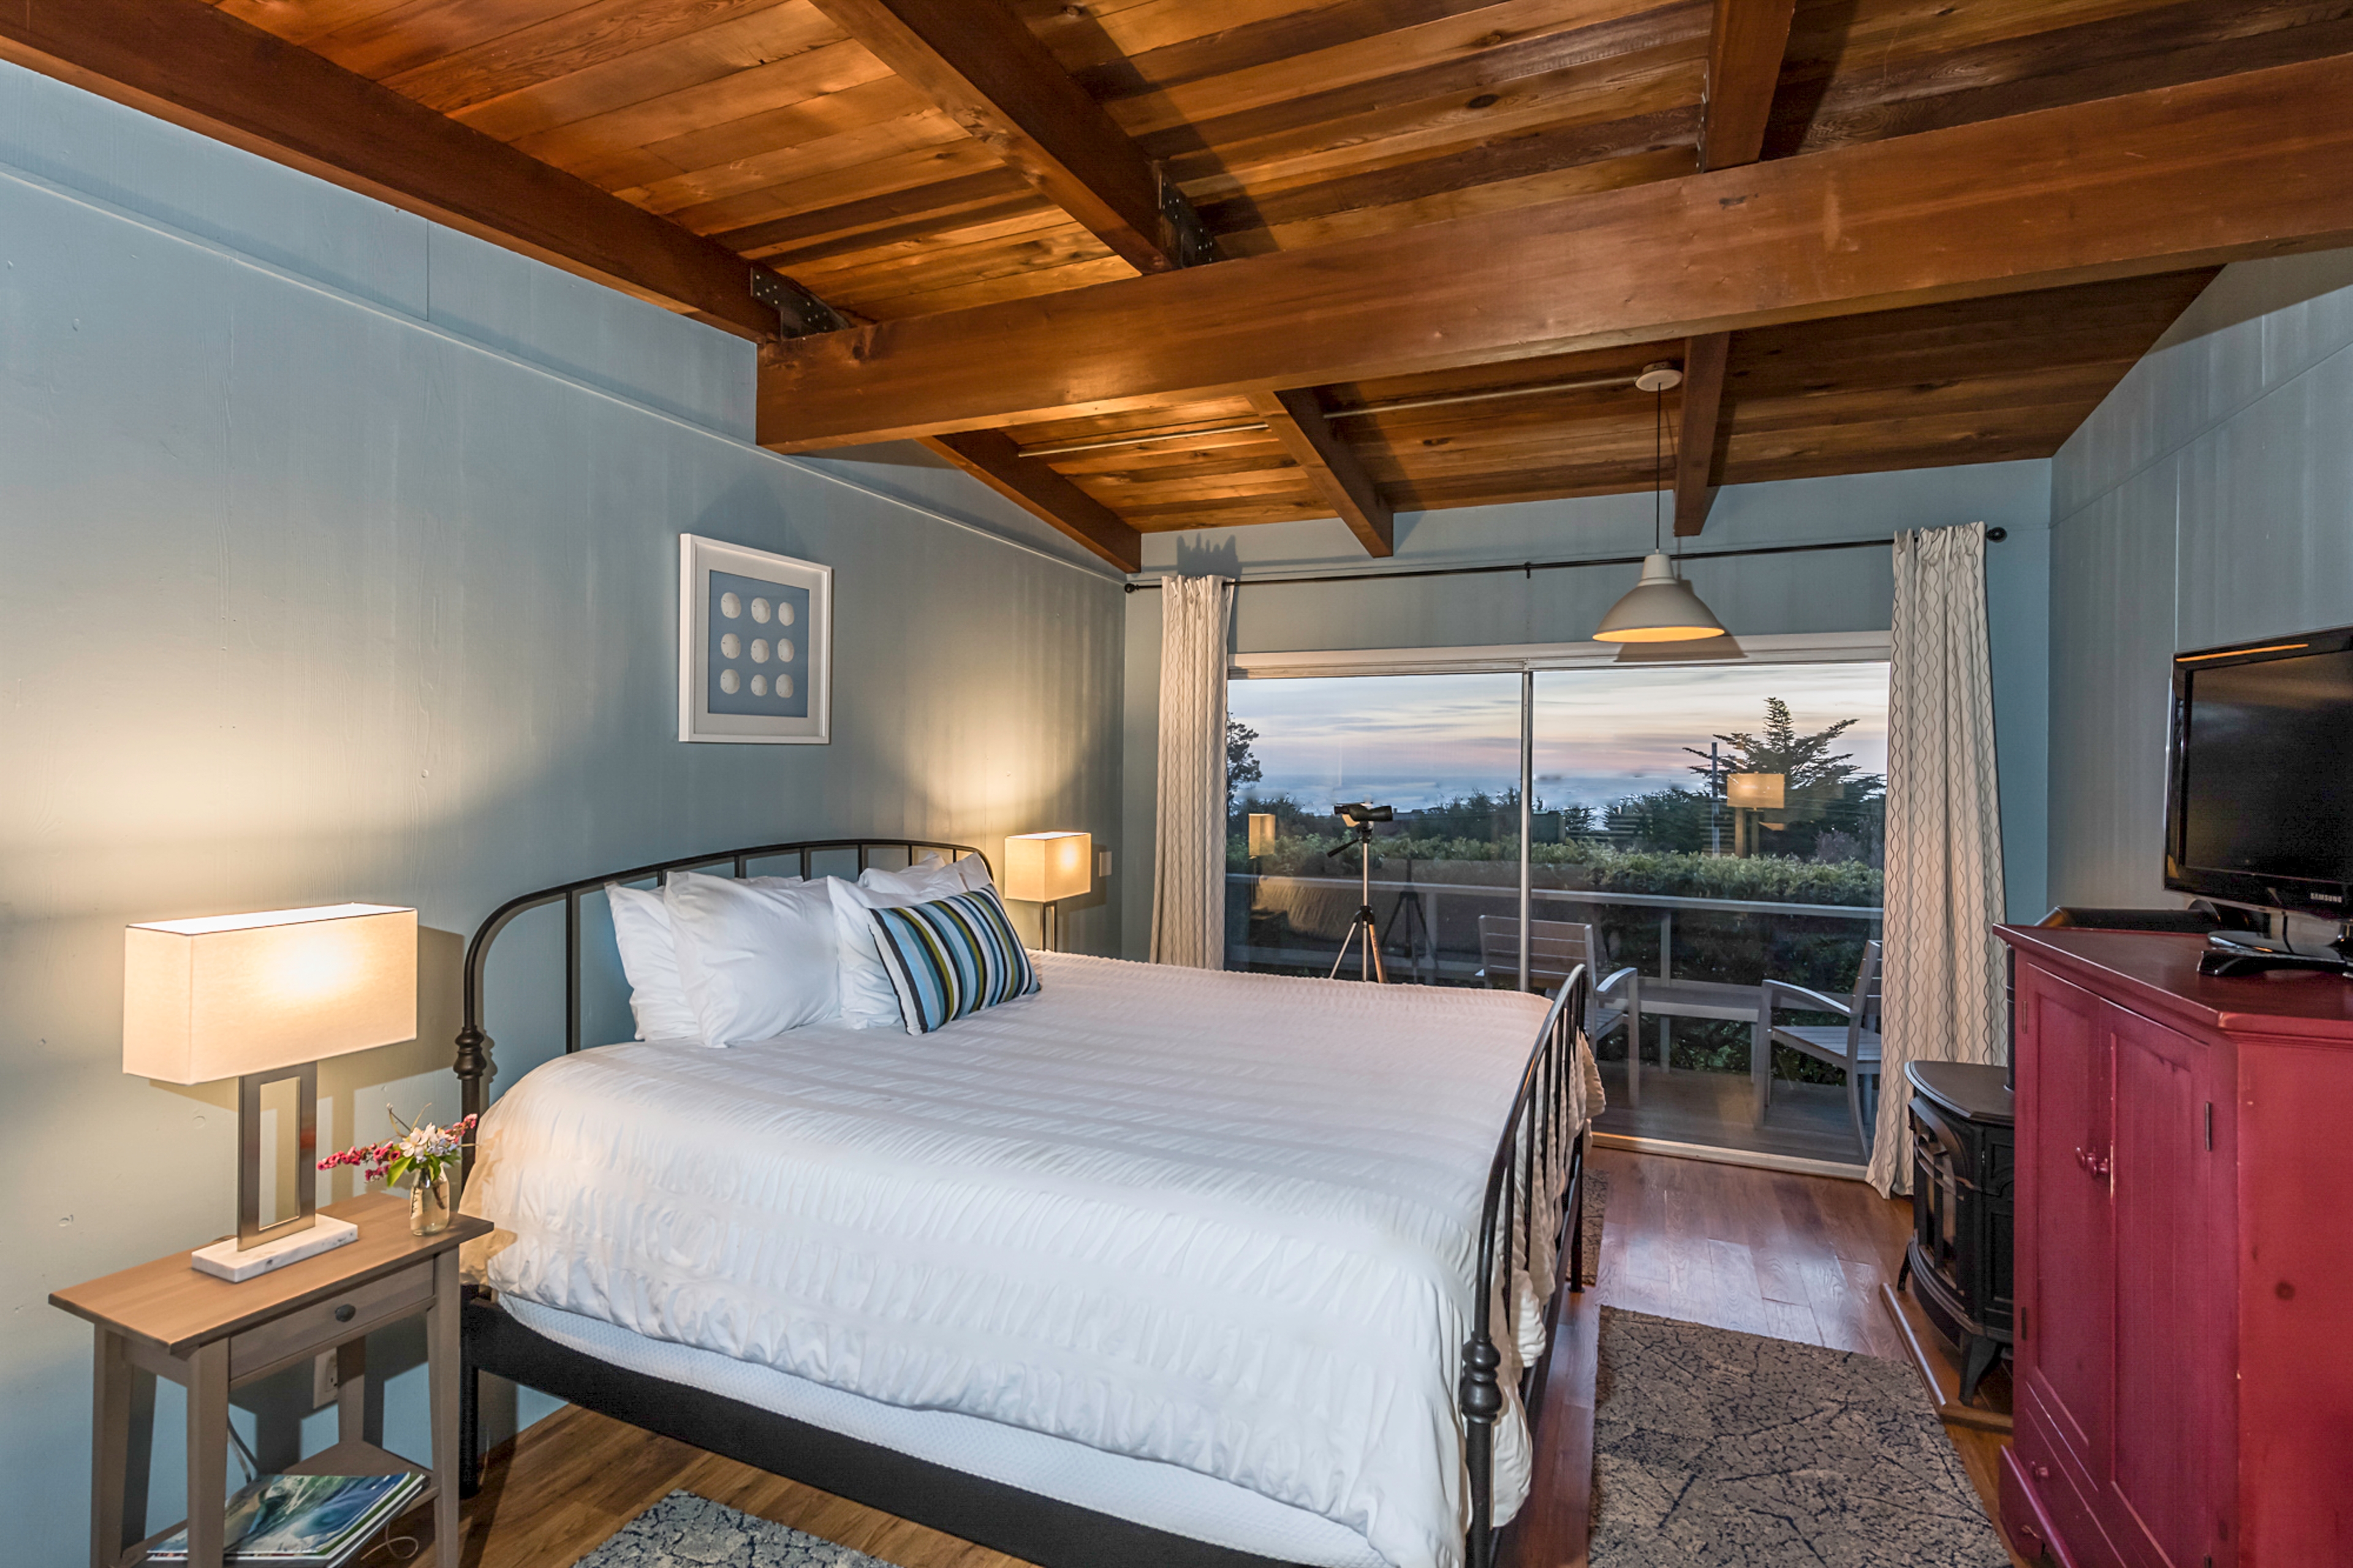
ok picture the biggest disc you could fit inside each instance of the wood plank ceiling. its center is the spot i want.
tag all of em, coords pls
(1020, 150)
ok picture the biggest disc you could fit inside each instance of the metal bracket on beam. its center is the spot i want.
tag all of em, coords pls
(1189, 240)
(799, 313)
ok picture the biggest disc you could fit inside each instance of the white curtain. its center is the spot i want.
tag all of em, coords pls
(1188, 865)
(1942, 994)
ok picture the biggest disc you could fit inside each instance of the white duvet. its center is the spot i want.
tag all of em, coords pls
(1222, 1221)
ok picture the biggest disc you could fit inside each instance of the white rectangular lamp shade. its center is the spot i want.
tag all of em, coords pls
(1041, 867)
(1760, 792)
(227, 995)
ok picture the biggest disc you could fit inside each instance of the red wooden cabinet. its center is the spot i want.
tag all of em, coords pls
(2185, 1259)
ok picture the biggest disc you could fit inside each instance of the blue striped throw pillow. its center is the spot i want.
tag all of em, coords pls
(952, 957)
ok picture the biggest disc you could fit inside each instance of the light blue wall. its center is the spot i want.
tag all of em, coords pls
(2208, 499)
(1834, 591)
(338, 561)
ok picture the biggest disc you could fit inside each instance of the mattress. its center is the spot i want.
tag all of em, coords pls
(1220, 1223)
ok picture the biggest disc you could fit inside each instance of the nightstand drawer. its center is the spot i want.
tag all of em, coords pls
(328, 1322)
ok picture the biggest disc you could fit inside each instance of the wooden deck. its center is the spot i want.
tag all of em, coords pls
(1806, 1121)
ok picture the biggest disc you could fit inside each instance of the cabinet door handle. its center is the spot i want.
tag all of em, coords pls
(2093, 1164)
(346, 1312)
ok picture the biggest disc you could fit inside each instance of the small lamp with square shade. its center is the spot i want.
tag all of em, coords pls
(1046, 868)
(1261, 833)
(261, 998)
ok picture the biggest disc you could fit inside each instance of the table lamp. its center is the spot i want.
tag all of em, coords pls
(262, 998)
(1046, 868)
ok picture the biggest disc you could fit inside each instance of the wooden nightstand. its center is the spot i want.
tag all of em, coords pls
(166, 1320)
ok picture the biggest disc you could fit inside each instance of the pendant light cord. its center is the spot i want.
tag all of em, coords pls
(1658, 470)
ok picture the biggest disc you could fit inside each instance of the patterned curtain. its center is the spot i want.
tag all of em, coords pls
(1942, 995)
(1188, 869)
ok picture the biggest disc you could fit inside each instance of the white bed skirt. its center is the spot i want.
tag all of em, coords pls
(1181, 1501)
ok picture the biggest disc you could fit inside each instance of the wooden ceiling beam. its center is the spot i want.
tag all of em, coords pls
(2253, 164)
(1700, 431)
(979, 62)
(199, 68)
(991, 457)
(1743, 66)
(1332, 466)
(1745, 51)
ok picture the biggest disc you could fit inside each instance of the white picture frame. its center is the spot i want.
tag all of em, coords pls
(754, 646)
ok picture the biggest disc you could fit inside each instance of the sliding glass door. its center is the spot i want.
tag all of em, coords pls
(1713, 824)
(1441, 753)
(1721, 825)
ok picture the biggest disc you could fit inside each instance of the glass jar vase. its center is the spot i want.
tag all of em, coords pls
(431, 1204)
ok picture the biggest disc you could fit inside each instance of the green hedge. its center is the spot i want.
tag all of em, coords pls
(1582, 863)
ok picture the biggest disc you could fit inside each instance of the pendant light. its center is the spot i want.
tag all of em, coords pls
(1661, 607)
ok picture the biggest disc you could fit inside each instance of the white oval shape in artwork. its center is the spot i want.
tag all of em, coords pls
(759, 650)
(784, 686)
(759, 686)
(785, 615)
(760, 611)
(731, 647)
(784, 650)
(729, 606)
(730, 682)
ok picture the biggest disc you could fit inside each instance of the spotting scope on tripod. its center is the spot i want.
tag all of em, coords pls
(1360, 820)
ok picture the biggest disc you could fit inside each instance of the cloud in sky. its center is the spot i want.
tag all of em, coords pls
(1415, 740)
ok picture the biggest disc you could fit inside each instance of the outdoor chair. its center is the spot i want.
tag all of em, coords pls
(1555, 948)
(1851, 1046)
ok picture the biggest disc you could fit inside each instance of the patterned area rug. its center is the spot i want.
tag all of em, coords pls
(684, 1531)
(1713, 1449)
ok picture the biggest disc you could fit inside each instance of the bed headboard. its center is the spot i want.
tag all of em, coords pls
(475, 1069)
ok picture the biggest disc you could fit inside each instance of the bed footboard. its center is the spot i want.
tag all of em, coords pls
(1518, 1217)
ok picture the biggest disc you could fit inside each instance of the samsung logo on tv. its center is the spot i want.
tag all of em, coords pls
(2325, 898)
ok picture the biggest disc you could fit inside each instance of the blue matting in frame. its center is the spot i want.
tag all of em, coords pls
(756, 648)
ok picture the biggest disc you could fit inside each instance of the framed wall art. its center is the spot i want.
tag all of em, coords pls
(754, 646)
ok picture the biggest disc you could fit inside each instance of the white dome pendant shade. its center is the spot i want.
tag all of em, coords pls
(1660, 608)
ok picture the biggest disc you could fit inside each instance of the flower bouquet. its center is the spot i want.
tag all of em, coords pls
(424, 1156)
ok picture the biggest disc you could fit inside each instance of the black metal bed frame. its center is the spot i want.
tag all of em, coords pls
(1008, 1518)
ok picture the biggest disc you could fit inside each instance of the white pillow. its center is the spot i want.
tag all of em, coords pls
(929, 878)
(976, 873)
(649, 958)
(756, 957)
(868, 999)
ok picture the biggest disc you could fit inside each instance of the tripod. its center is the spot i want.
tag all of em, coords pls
(1363, 928)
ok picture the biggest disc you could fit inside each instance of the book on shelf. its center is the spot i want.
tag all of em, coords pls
(302, 1522)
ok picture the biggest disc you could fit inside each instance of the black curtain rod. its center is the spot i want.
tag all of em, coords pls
(1993, 536)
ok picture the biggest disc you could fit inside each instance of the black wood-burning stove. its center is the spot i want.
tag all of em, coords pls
(1964, 1159)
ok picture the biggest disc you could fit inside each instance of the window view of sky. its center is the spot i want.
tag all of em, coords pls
(1413, 741)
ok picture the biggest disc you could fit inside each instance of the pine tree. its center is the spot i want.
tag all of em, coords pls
(1812, 770)
(1242, 767)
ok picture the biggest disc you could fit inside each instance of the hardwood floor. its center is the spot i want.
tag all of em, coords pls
(1797, 1257)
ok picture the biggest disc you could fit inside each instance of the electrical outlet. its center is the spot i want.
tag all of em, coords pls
(326, 1383)
(1103, 863)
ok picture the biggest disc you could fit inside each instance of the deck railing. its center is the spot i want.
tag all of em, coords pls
(1422, 960)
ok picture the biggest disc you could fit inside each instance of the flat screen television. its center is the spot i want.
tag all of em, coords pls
(2259, 788)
